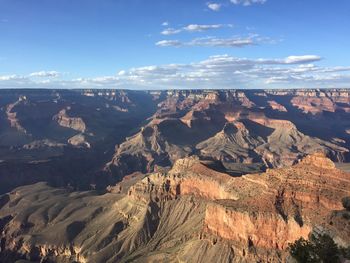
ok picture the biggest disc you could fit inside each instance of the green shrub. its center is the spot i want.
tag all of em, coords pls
(346, 203)
(303, 251)
(345, 252)
(326, 249)
(319, 249)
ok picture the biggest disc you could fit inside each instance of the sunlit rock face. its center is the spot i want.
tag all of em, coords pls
(189, 213)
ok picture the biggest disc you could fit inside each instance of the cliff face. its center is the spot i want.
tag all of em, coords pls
(267, 231)
(190, 213)
(316, 102)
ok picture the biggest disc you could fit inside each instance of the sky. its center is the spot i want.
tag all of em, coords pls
(168, 44)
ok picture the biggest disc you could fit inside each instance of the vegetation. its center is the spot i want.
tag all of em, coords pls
(320, 249)
(346, 203)
(303, 251)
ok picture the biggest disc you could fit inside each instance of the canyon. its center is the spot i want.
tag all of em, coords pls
(85, 138)
(171, 175)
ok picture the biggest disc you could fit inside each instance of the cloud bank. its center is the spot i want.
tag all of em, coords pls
(221, 71)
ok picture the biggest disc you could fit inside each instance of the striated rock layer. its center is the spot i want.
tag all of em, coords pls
(188, 214)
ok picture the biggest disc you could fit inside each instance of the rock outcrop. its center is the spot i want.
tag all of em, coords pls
(318, 160)
(79, 140)
(276, 106)
(12, 116)
(75, 123)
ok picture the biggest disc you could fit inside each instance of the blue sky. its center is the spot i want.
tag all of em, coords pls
(156, 44)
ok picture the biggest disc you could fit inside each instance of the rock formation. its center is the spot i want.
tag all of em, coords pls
(233, 144)
(79, 140)
(75, 123)
(12, 116)
(190, 213)
(104, 135)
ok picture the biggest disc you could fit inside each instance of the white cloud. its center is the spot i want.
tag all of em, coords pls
(301, 59)
(215, 42)
(221, 71)
(230, 72)
(166, 23)
(11, 77)
(214, 6)
(225, 71)
(222, 42)
(193, 28)
(45, 74)
(247, 2)
(169, 43)
(170, 31)
(292, 60)
(121, 73)
(201, 28)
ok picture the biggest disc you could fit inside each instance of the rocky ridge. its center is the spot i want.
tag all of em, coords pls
(12, 116)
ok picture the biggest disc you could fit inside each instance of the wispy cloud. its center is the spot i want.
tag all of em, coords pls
(236, 41)
(169, 43)
(291, 60)
(45, 74)
(201, 28)
(194, 28)
(222, 42)
(214, 6)
(301, 59)
(165, 23)
(248, 2)
(208, 42)
(170, 31)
